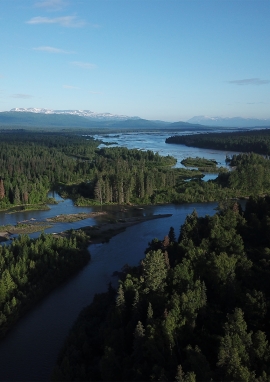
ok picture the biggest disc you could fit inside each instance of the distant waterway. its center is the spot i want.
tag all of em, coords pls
(156, 142)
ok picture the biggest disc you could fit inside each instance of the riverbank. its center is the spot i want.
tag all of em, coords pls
(27, 207)
(21, 228)
(31, 225)
(36, 340)
(70, 218)
(94, 234)
(102, 233)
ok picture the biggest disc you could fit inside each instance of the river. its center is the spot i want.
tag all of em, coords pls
(29, 351)
(156, 142)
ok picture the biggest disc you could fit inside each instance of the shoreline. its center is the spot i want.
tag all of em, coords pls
(96, 234)
(116, 228)
(100, 234)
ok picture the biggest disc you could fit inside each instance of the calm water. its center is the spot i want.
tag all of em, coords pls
(156, 143)
(29, 351)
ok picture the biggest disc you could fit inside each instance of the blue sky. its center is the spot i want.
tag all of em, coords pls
(157, 59)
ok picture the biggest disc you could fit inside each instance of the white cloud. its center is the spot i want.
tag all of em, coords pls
(51, 5)
(71, 87)
(64, 21)
(51, 49)
(249, 81)
(24, 96)
(83, 65)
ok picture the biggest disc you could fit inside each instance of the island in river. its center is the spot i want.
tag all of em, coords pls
(95, 234)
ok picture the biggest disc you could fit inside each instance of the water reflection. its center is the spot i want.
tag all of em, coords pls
(29, 351)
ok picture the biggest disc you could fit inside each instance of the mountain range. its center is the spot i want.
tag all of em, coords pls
(38, 117)
(229, 122)
(80, 113)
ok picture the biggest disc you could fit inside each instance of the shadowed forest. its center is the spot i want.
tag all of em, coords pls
(195, 309)
(197, 306)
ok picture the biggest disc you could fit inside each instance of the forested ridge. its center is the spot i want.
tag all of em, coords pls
(195, 309)
(257, 141)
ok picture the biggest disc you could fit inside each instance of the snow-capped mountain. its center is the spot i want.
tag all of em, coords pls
(229, 122)
(80, 113)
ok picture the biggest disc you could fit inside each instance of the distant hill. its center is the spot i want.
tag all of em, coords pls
(190, 126)
(46, 118)
(230, 122)
(29, 119)
(67, 120)
(80, 113)
(78, 119)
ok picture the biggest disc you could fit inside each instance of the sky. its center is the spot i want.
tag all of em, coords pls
(157, 59)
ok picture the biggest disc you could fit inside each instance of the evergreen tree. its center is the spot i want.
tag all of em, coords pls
(2, 189)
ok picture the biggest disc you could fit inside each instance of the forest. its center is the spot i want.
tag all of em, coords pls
(177, 288)
(33, 163)
(195, 309)
(31, 268)
(257, 141)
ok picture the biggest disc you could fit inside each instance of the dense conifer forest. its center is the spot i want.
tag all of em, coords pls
(32, 163)
(195, 309)
(31, 268)
(257, 141)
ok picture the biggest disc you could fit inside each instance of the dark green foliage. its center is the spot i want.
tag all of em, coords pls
(257, 141)
(250, 175)
(206, 317)
(30, 268)
(203, 164)
(31, 164)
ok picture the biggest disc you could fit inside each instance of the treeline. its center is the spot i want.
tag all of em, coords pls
(30, 268)
(250, 175)
(121, 177)
(124, 175)
(31, 163)
(195, 309)
(257, 141)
